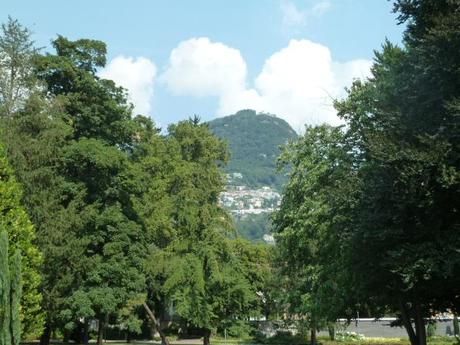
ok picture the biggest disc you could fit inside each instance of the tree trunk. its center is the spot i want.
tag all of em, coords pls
(407, 323)
(331, 330)
(46, 335)
(100, 331)
(66, 336)
(156, 324)
(313, 335)
(456, 327)
(85, 332)
(207, 337)
(420, 326)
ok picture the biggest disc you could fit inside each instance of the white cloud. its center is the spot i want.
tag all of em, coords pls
(137, 75)
(292, 16)
(298, 83)
(295, 17)
(347, 71)
(200, 67)
(320, 8)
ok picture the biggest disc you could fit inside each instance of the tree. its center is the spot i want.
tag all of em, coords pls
(10, 293)
(192, 262)
(390, 219)
(97, 107)
(154, 164)
(309, 223)
(16, 70)
(15, 220)
(95, 164)
(5, 304)
(35, 138)
(71, 149)
(15, 297)
(404, 123)
(258, 261)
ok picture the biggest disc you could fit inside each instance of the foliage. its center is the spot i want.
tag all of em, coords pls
(320, 184)
(253, 227)
(259, 270)
(192, 263)
(16, 72)
(409, 157)
(372, 205)
(431, 330)
(349, 336)
(10, 292)
(95, 165)
(21, 232)
(70, 147)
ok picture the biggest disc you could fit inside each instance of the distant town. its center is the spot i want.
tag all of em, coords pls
(241, 200)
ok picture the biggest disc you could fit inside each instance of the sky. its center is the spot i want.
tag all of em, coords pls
(211, 58)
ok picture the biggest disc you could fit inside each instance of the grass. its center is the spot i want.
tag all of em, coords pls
(327, 341)
(292, 340)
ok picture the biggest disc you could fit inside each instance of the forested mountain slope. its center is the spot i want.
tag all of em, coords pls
(254, 141)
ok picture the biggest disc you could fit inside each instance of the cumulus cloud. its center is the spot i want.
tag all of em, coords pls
(295, 17)
(200, 67)
(137, 75)
(298, 82)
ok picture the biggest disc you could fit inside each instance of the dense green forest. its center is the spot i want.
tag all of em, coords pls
(254, 144)
(109, 223)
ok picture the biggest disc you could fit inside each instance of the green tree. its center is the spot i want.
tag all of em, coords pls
(36, 137)
(71, 149)
(404, 123)
(97, 107)
(14, 218)
(10, 293)
(258, 261)
(192, 261)
(95, 166)
(154, 164)
(16, 70)
(308, 222)
(389, 220)
(5, 306)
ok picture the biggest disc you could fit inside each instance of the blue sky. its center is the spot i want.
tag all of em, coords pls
(211, 58)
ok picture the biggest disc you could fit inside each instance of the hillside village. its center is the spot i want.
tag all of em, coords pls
(241, 200)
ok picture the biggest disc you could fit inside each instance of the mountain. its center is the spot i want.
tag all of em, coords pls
(254, 187)
(254, 140)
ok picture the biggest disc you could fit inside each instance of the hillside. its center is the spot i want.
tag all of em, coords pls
(254, 187)
(254, 141)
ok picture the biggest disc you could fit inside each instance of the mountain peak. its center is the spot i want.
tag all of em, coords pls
(254, 141)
